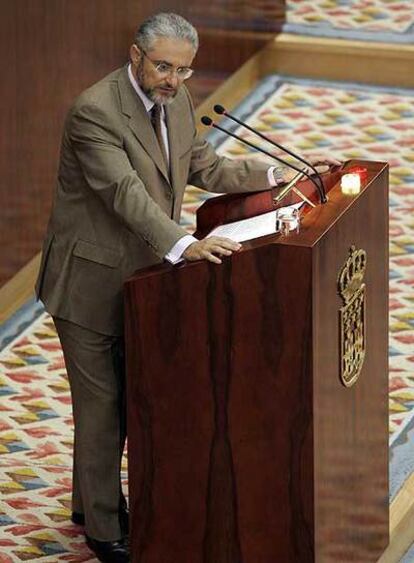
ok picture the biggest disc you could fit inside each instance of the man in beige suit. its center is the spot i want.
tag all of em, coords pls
(129, 148)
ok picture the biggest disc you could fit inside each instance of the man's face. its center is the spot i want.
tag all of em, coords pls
(161, 87)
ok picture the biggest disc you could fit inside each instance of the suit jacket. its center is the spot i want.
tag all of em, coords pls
(116, 208)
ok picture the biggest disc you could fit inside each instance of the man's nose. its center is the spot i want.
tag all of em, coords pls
(172, 79)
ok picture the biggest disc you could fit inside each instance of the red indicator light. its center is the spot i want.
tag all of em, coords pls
(362, 172)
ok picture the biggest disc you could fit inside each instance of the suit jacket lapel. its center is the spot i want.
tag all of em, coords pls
(139, 121)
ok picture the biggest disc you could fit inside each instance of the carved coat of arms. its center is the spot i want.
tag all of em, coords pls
(352, 316)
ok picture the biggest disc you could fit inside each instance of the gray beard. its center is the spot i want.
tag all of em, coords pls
(158, 98)
(151, 94)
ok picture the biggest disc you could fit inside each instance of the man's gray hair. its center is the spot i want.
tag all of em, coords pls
(165, 25)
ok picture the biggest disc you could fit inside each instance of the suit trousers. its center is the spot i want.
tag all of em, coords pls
(95, 364)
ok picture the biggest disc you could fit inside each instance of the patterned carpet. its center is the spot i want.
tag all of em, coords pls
(35, 413)
(368, 20)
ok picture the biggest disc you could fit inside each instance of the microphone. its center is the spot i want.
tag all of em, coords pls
(208, 122)
(321, 190)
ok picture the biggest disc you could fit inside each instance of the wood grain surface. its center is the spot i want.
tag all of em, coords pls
(244, 445)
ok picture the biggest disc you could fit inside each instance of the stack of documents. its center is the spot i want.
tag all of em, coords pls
(254, 227)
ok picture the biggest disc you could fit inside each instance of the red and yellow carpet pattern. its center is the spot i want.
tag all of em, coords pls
(369, 15)
(367, 20)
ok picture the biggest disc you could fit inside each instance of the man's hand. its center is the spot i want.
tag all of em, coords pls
(321, 161)
(210, 249)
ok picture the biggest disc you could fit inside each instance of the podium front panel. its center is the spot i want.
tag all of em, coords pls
(244, 445)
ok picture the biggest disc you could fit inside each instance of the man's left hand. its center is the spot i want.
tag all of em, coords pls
(323, 160)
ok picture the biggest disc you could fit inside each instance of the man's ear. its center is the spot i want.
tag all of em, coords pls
(135, 54)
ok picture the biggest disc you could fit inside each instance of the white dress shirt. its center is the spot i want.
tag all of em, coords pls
(175, 254)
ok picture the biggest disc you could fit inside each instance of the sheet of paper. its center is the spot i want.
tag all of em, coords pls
(254, 227)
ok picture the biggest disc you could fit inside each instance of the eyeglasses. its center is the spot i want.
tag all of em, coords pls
(164, 69)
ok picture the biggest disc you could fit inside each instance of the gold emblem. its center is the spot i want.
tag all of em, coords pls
(352, 316)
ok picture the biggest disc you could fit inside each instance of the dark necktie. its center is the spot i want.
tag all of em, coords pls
(156, 123)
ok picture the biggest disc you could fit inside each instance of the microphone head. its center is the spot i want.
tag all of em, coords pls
(206, 121)
(219, 109)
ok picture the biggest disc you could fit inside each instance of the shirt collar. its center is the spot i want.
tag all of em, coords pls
(148, 104)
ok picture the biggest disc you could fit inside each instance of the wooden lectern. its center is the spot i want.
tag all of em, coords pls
(258, 390)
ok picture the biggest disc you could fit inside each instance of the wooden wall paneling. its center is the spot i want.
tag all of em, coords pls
(252, 15)
(238, 47)
(50, 52)
(242, 15)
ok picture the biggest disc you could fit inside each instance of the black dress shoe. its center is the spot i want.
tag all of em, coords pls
(79, 519)
(109, 551)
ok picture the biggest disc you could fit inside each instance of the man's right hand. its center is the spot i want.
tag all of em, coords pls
(210, 249)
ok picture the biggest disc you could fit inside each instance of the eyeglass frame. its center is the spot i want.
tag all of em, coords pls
(156, 64)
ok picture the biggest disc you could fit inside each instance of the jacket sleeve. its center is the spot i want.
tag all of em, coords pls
(107, 170)
(220, 174)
